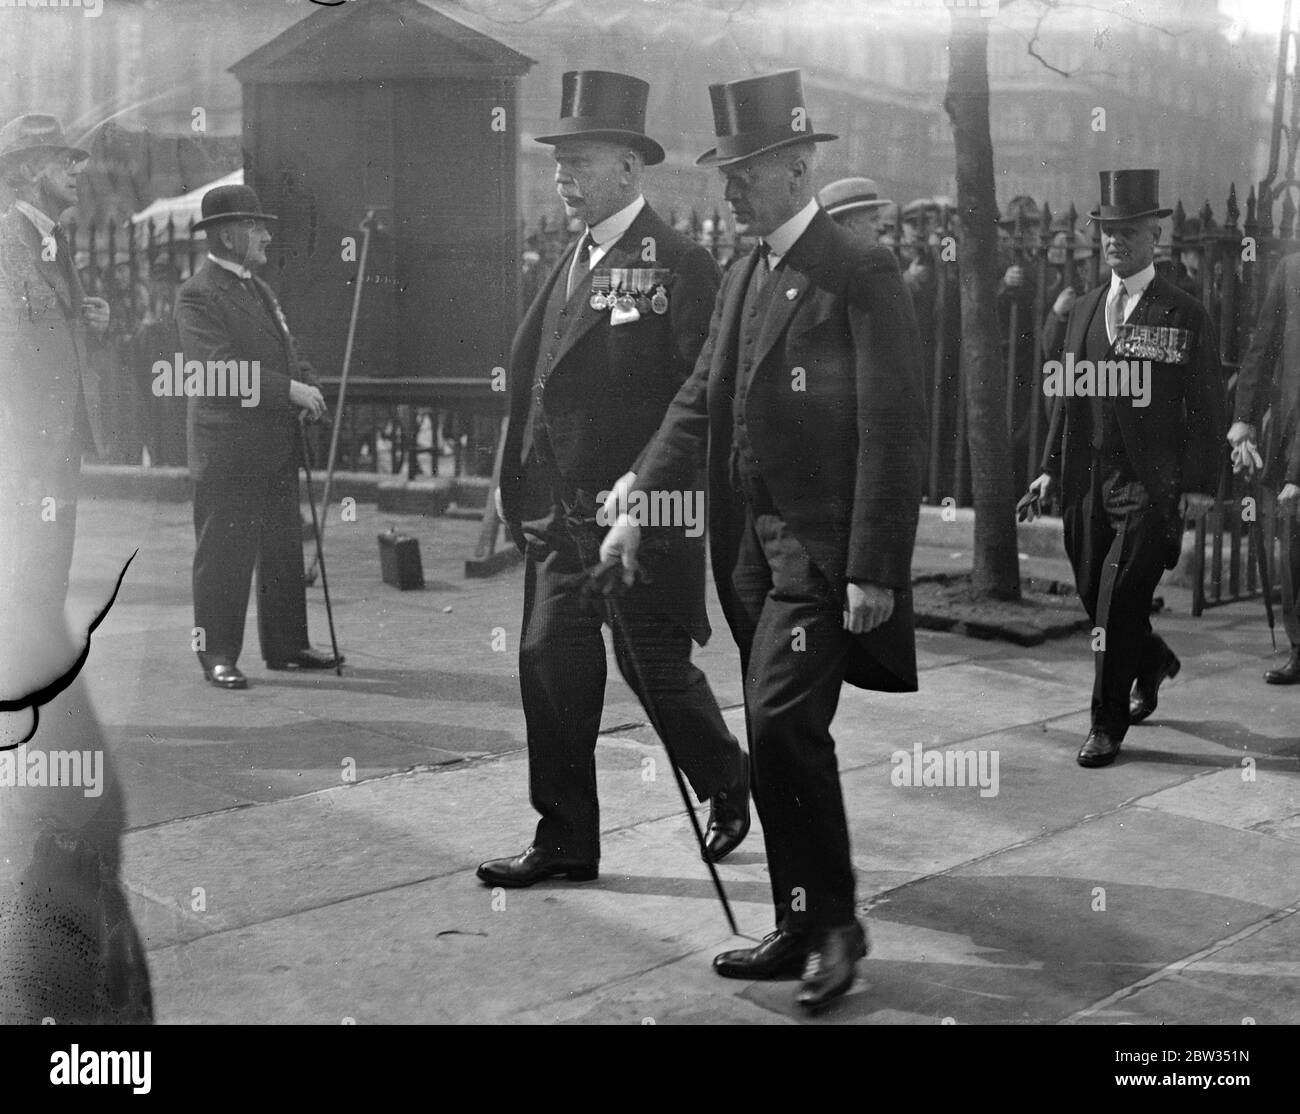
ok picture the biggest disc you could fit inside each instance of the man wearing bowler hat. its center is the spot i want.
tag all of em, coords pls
(855, 204)
(611, 336)
(51, 397)
(244, 458)
(806, 402)
(1130, 461)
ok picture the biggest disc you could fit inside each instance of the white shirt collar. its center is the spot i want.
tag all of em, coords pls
(1136, 285)
(234, 268)
(782, 239)
(609, 231)
(43, 224)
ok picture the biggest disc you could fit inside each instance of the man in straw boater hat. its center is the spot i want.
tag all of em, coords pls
(1135, 442)
(855, 204)
(611, 336)
(806, 402)
(50, 330)
(244, 458)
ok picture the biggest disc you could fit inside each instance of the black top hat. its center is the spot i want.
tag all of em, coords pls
(230, 203)
(32, 134)
(1129, 194)
(597, 104)
(758, 114)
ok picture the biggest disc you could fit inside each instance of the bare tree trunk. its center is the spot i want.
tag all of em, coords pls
(996, 569)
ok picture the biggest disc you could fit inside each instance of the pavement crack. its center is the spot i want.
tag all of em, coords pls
(1180, 965)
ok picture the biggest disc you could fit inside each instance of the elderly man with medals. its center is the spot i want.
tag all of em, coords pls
(1134, 444)
(611, 336)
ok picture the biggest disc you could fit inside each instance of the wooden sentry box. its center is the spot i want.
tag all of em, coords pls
(392, 106)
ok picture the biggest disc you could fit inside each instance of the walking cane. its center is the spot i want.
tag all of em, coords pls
(1283, 524)
(1264, 558)
(605, 580)
(320, 552)
(367, 224)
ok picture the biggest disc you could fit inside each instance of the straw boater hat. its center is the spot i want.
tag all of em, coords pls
(31, 134)
(759, 114)
(1129, 194)
(851, 194)
(223, 203)
(598, 104)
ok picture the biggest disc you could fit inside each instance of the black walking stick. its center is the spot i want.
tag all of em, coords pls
(320, 552)
(606, 581)
(1283, 524)
(1264, 558)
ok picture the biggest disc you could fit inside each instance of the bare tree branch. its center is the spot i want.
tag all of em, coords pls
(1047, 7)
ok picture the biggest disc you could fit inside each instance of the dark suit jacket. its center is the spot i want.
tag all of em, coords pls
(1270, 375)
(45, 358)
(220, 319)
(1176, 443)
(842, 457)
(606, 392)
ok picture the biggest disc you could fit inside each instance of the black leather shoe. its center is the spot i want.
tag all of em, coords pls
(781, 955)
(1146, 690)
(225, 677)
(310, 658)
(1289, 674)
(534, 865)
(728, 817)
(1099, 749)
(831, 966)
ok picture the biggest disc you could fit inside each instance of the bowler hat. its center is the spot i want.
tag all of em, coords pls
(223, 203)
(33, 133)
(759, 114)
(850, 194)
(1129, 194)
(600, 105)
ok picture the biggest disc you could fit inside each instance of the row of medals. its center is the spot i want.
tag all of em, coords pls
(626, 288)
(1164, 344)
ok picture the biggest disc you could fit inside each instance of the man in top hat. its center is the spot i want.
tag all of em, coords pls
(1268, 395)
(806, 402)
(50, 332)
(1133, 446)
(604, 347)
(855, 204)
(244, 458)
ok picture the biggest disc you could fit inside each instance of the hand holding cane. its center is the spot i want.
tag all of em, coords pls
(606, 581)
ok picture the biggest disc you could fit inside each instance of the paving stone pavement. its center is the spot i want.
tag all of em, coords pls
(304, 851)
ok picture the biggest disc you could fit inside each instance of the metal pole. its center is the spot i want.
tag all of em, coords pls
(366, 226)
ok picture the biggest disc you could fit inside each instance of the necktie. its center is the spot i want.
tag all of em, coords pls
(1115, 312)
(63, 255)
(764, 267)
(581, 263)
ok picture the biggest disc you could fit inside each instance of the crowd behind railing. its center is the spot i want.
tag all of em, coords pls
(1041, 251)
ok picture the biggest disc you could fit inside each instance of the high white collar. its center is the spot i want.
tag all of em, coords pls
(43, 224)
(609, 231)
(1135, 285)
(782, 239)
(234, 268)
